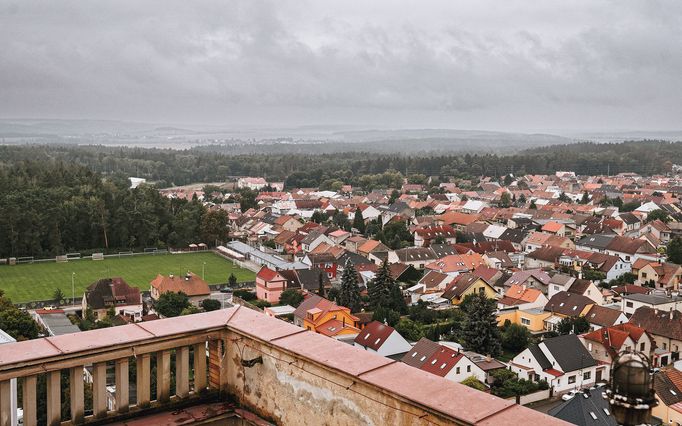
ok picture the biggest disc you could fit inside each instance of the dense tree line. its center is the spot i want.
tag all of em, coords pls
(50, 208)
(362, 169)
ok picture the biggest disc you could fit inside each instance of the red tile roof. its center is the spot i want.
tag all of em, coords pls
(374, 335)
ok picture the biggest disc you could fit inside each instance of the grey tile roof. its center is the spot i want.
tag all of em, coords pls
(585, 409)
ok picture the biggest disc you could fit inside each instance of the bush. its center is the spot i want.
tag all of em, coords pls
(246, 295)
(291, 297)
(261, 304)
(474, 383)
(211, 305)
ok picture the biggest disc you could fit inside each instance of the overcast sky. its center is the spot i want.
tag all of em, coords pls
(499, 65)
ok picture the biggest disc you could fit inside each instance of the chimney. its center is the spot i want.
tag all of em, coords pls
(671, 314)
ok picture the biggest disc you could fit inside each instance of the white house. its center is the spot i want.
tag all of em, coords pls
(252, 183)
(562, 361)
(381, 339)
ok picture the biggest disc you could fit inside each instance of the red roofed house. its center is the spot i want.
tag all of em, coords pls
(270, 284)
(190, 284)
(443, 361)
(381, 339)
(424, 236)
(606, 343)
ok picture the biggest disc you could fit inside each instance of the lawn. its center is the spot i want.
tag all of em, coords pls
(38, 281)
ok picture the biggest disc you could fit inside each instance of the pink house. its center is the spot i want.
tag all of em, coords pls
(270, 285)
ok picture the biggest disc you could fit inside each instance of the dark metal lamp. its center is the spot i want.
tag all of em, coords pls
(631, 393)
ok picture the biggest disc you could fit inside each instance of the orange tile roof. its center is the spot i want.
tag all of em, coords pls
(523, 293)
(190, 284)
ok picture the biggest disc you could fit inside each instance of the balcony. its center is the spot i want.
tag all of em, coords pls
(279, 371)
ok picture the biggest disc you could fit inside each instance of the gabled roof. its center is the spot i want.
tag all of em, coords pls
(522, 293)
(660, 323)
(442, 361)
(420, 352)
(460, 284)
(613, 338)
(109, 292)
(569, 304)
(374, 335)
(602, 316)
(568, 352)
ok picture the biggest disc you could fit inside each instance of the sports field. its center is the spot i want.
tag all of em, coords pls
(38, 281)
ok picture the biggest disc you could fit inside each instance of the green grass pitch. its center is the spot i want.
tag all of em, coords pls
(38, 281)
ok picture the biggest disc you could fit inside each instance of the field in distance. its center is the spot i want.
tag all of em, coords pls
(38, 281)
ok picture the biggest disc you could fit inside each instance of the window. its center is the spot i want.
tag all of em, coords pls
(641, 347)
(525, 321)
(571, 380)
(587, 375)
(628, 304)
(457, 370)
(468, 369)
(643, 274)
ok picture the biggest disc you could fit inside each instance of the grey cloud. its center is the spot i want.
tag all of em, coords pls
(516, 64)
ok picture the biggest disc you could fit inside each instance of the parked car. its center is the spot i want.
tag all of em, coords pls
(569, 395)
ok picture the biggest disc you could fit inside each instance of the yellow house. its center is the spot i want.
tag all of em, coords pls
(466, 284)
(532, 319)
(323, 316)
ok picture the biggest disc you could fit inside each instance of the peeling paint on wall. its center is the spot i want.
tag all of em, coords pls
(306, 393)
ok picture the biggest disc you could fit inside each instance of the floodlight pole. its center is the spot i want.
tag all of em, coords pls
(73, 289)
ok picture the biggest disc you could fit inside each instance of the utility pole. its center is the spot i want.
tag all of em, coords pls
(203, 270)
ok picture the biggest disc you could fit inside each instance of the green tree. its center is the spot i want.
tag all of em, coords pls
(522, 199)
(171, 304)
(319, 217)
(214, 226)
(674, 250)
(515, 338)
(247, 199)
(585, 199)
(532, 205)
(575, 325)
(291, 297)
(386, 315)
(380, 288)
(481, 333)
(232, 280)
(15, 322)
(349, 293)
(505, 200)
(210, 305)
(409, 329)
(321, 291)
(359, 221)
(658, 214)
(58, 295)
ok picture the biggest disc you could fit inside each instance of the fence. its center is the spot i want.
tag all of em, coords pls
(531, 397)
(97, 256)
